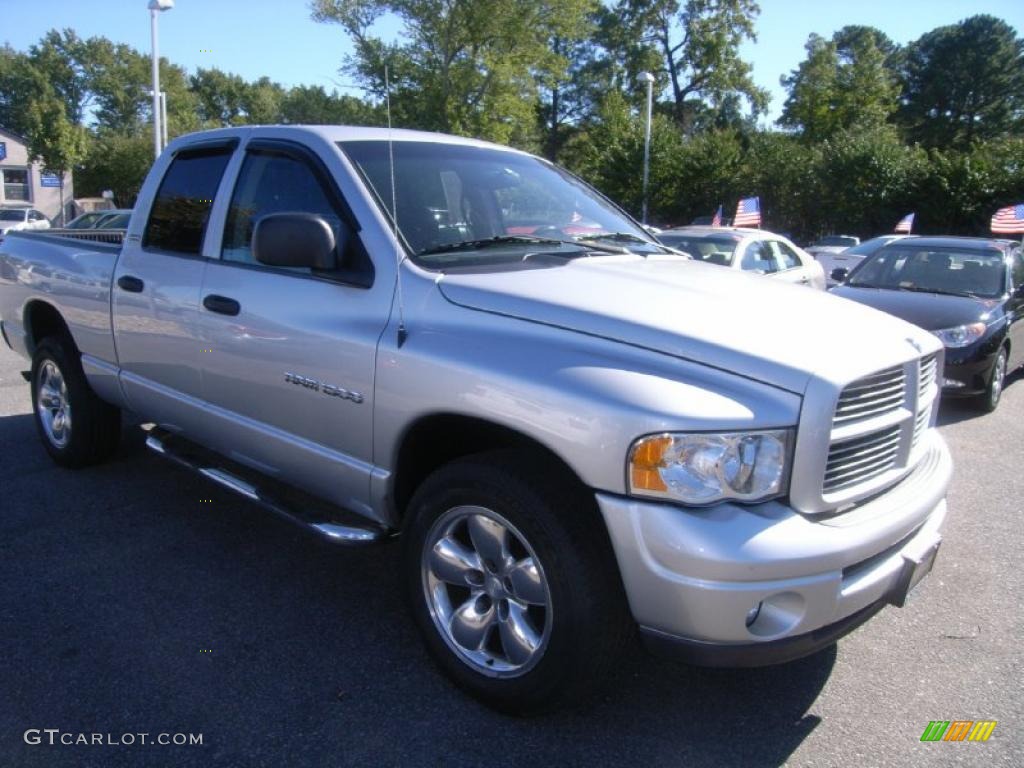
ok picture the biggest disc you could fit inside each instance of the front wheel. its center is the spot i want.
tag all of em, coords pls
(513, 582)
(994, 392)
(77, 428)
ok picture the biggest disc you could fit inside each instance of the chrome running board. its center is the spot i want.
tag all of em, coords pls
(318, 521)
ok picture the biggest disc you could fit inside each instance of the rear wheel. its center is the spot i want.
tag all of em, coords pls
(513, 583)
(77, 428)
(989, 401)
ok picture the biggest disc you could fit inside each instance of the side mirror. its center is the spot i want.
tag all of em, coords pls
(839, 274)
(295, 240)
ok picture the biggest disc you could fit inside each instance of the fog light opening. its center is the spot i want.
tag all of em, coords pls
(753, 613)
(952, 383)
(776, 615)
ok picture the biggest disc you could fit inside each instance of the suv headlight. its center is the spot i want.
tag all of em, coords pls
(962, 335)
(703, 468)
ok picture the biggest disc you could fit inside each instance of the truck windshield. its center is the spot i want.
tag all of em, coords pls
(464, 205)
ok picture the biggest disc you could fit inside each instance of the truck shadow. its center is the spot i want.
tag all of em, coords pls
(136, 587)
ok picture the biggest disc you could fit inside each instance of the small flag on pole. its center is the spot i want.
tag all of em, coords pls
(748, 213)
(1009, 220)
(905, 224)
(716, 220)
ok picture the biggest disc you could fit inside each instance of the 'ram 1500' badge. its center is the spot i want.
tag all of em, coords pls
(328, 389)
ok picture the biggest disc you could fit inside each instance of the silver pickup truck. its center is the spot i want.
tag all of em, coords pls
(576, 431)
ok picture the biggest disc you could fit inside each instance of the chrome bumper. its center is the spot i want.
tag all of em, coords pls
(698, 575)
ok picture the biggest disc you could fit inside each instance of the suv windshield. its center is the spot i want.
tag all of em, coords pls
(933, 270)
(11, 215)
(714, 249)
(464, 205)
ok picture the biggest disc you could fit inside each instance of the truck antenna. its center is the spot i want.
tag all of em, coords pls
(402, 333)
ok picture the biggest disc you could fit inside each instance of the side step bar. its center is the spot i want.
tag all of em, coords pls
(315, 521)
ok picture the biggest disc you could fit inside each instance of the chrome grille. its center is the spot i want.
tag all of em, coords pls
(926, 379)
(873, 395)
(860, 458)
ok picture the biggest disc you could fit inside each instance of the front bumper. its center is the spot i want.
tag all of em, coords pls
(694, 577)
(968, 375)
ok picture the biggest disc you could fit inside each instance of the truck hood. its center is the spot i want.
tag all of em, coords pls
(760, 328)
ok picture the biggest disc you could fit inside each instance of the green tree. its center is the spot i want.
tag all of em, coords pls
(220, 97)
(462, 67)
(57, 142)
(697, 43)
(964, 82)
(843, 83)
(118, 162)
(20, 84)
(313, 105)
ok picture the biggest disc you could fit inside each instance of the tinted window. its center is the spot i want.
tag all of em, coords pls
(758, 258)
(272, 183)
(786, 255)
(1018, 269)
(178, 219)
(939, 270)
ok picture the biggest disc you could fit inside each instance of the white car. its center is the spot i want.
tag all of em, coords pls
(19, 219)
(849, 258)
(751, 250)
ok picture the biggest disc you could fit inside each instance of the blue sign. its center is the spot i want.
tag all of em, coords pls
(3, 150)
(49, 180)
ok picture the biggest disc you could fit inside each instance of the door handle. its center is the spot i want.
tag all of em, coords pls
(130, 284)
(222, 305)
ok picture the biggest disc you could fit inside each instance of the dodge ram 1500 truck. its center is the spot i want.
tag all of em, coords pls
(576, 431)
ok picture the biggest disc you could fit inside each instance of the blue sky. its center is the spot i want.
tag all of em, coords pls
(278, 39)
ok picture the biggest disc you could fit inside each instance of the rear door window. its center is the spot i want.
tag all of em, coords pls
(181, 210)
(758, 257)
(787, 257)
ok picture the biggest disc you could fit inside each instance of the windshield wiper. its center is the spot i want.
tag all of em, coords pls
(627, 237)
(940, 291)
(488, 242)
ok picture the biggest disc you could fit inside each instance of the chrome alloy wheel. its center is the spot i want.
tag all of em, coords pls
(52, 404)
(998, 377)
(486, 591)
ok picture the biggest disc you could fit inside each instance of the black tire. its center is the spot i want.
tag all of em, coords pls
(589, 619)
(93, 426)
(989, 401)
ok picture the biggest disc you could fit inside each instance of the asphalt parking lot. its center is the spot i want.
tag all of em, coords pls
(137, 598)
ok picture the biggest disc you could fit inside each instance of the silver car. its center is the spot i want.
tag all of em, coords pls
(748, 250)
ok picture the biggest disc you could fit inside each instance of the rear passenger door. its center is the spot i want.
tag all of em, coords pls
(156, 291)
(290, 352)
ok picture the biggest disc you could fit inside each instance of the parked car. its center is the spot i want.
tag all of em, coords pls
(967, 291)
(749, 250)
(574, 434)
(832, 244)
(850, 257)
(115, 220)
(102, 219)
(21, 219)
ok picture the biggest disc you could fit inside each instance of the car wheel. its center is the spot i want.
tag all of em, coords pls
(994, 392)
(513, 583)
(77, 428)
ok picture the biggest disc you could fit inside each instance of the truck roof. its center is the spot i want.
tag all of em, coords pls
(333, 134)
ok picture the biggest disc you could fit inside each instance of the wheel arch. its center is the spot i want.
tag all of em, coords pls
(436, 439)
(40, 319)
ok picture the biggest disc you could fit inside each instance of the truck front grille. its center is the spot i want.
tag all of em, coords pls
(861, 458)
(878, 423)
(872, 395)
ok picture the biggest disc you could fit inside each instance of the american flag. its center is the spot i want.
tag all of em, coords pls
(748, 213)
(716, 220)
(1009, 220)
(905, 224)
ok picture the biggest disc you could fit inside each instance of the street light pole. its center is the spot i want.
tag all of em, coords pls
(155, 8)
(647, 77)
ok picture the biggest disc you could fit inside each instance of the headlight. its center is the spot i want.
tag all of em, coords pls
(962, 335)
(705, 468)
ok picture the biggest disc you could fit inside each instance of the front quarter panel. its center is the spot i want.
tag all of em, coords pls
(586, 399)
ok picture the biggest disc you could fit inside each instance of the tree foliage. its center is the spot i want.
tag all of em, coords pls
(964, 82)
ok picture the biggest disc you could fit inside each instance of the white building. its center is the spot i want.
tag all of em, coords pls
(25, 184)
